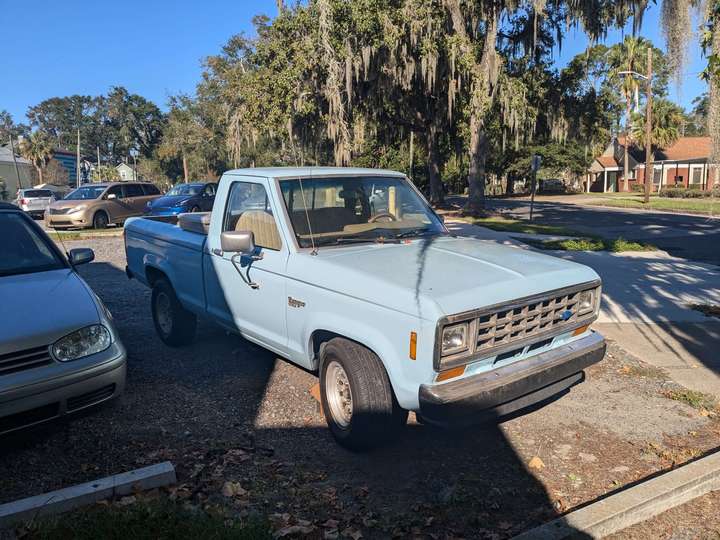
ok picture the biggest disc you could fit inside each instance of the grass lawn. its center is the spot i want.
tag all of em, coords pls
(85, 233)
(520, 226)
(144, 520)
(664, 204)
(617, 245)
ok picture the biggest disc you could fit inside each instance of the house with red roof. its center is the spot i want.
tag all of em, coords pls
(686, 163)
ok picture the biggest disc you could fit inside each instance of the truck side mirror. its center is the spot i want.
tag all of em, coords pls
(238, 242)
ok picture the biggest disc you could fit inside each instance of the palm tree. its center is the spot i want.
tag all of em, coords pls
(37, 149)
(627, 56)
(667, 117)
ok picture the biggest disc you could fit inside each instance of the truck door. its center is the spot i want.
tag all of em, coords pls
(252, 290)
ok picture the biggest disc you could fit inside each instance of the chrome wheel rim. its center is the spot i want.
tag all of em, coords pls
(163, 313)
(338, 394)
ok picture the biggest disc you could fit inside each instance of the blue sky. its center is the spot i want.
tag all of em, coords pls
(154, 48)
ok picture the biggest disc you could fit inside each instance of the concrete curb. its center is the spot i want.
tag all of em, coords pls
(62, 500)
(635, 504)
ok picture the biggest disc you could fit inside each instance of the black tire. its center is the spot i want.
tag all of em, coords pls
(376, 417)
(100, 220)
(174, 324)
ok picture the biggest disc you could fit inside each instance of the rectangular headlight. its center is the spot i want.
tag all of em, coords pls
(454, 339)
(586, 302)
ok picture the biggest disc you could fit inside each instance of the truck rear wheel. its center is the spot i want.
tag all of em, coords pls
(357, 398)
(173, 323)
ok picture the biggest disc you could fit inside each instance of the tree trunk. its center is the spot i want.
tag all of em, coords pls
(436, 190)
(40, 174)
(476, 174)
(714, 105)
(185, 168)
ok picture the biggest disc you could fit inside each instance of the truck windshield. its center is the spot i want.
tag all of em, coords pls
(347, 209)
(24, 250)
(85, 193)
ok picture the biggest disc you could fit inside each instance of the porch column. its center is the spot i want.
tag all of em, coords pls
(604, 180)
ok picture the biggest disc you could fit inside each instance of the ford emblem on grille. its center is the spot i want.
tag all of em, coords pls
(566, 315)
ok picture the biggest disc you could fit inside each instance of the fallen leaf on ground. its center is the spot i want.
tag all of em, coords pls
(536, 463)
(233, 489)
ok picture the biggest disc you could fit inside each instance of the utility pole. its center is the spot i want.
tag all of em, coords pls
(17, 171)
(77, 162)
(412, 152)
(649, 173)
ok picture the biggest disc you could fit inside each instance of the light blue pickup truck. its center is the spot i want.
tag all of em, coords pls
(350, 273)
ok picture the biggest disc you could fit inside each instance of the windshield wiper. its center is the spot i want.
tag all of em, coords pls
(360, 239)
(417, 232)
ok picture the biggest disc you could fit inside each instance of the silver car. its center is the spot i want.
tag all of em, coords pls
(34, 201)
(59, 350)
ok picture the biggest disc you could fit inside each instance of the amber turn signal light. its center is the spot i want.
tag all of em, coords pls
(581, 330)
(450, 373)
(413, 345)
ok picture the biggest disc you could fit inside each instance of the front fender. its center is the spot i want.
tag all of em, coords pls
(389, 338)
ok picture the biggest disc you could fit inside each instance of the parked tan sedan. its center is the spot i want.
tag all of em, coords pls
(98, 205)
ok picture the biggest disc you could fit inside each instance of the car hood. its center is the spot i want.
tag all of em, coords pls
(71, 204)
(171, 200)
(439, 276)
(40, 308)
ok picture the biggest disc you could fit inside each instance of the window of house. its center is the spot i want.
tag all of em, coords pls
(696, 176)
(657, 175)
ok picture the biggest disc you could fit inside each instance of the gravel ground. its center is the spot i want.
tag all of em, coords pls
(225, 411)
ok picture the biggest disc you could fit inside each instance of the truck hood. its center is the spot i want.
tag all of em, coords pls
(171, 200)
(439, 276)
(38, 309)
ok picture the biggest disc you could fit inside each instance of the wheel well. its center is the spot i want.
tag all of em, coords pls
(152, 275)
(320, 337)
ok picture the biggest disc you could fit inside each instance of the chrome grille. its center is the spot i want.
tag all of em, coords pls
(521, 322)
(26, 359)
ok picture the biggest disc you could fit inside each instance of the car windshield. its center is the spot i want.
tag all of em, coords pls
(85, 193)
(327, 211)
(186, 189)
(23, 250)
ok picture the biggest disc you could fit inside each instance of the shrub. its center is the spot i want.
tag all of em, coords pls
(638, 188)
(685, 193)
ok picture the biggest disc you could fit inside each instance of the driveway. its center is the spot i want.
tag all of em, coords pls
(694, 238)
(223, 410)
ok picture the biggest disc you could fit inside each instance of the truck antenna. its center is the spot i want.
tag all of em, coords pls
(307, 217)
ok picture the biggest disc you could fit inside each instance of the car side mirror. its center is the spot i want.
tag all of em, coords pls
(238, 242)
(111, 197)
(81, 256)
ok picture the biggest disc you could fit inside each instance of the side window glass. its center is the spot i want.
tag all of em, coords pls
(134, 190)
(150, 189)
(248, 209)
(210, 190)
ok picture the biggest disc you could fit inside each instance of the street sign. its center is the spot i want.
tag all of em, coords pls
(536, 161)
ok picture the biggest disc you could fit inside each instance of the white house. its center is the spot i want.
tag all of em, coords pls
(126, 172)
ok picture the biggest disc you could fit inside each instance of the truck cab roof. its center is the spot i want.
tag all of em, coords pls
(306, 172)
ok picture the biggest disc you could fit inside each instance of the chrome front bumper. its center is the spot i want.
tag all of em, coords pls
(508, 389)
(54, 396)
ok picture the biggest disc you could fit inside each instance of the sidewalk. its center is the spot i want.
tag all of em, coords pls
(645, 306)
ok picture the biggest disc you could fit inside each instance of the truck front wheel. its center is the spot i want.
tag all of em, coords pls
(357, 398)
(173, 323)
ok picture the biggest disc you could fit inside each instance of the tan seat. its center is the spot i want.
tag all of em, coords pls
(262, 224)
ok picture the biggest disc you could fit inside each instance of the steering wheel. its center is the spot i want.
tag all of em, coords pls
(385, 216)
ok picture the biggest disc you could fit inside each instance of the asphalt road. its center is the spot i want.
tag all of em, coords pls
(690, 237)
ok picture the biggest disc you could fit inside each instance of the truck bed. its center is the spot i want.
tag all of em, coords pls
(156, 246)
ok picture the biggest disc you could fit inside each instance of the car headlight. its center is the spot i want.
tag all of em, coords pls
(78, 208)
(84, 342)
(586, 301)
(454, 339)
